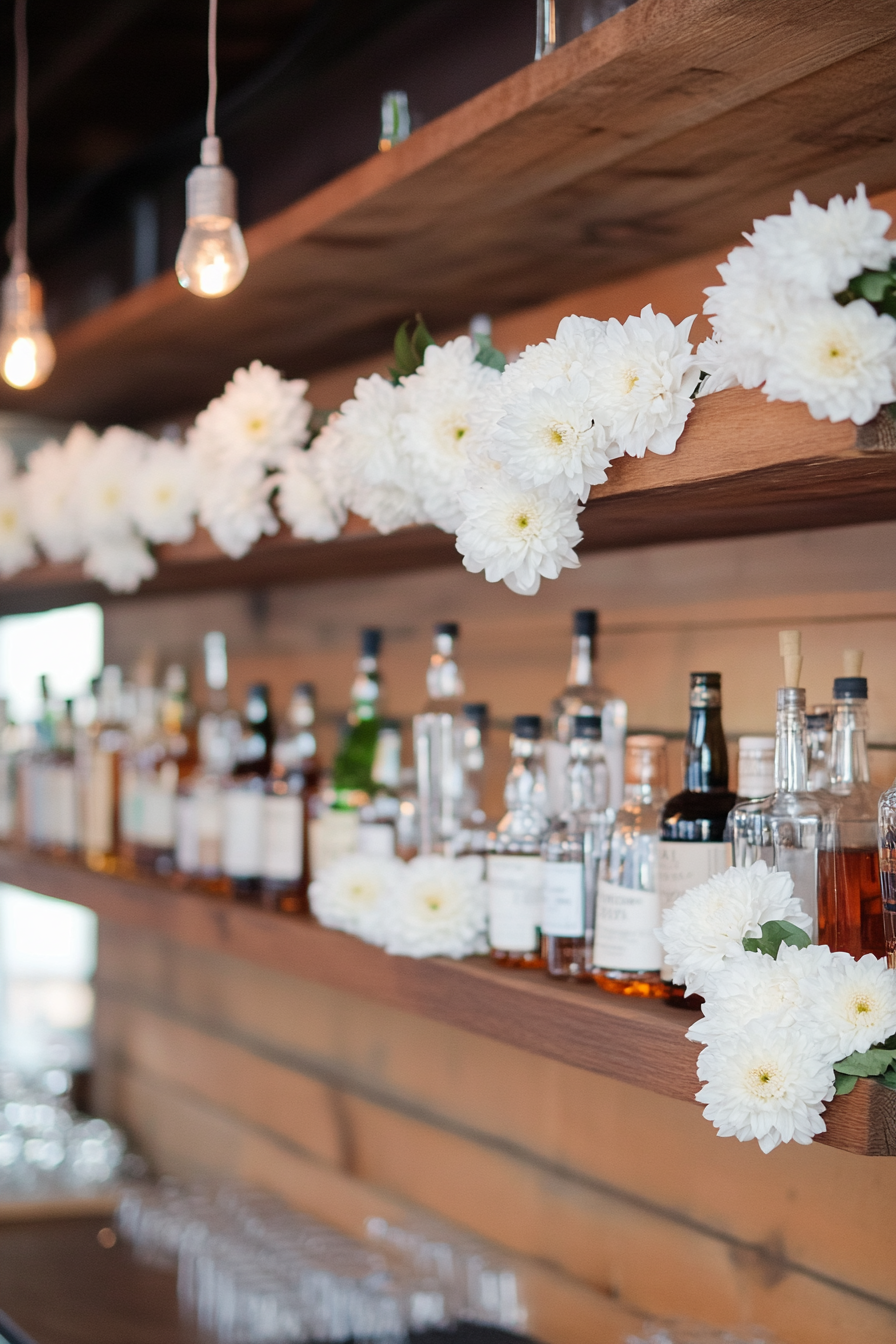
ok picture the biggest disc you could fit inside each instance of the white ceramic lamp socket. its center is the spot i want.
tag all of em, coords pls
(212, 257)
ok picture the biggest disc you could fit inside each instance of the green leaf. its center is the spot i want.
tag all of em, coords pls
(409, 350)
(774, 933)
(888, 1044)
(889, 1078)
(872, 285)
(487, 354)
(844, 1083)
(866, 1063)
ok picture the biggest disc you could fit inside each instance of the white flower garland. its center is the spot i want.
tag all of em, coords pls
(785, 1024)
(503, 459)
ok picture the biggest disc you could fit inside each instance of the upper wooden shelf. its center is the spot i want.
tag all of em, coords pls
(658, 135)
(742, 466)
(640, 1042)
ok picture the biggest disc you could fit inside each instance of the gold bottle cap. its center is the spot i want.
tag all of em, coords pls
(645, 759)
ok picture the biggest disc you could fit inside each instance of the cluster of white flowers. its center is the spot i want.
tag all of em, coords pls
(431, 907)
(776, 321)
(772, 1027)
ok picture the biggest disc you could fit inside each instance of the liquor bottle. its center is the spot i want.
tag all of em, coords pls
(255, 748)
(169, 759)
(581, 695)
(886, 829)
(692, 845)
(62, 796)
(627, 953)
(573, 852)
(243, 801)
(849, 890)
(439, 782)
(289, 791)
(818, 745)
(514, 867)
(472, 737)
(378, 819)
(106, 739)
(200, 802)
(790, 829)
(755, 769)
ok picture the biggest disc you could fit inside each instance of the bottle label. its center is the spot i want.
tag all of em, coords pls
(683, 864)
(282, 846)
(564, 900)
(515, 901)
(624, 936)
(99, 803)
(187, 843)
(243, 833)
(158, 826)
(330, 836)
(376, 839)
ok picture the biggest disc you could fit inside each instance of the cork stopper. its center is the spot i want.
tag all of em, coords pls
(852, 662)
(789, 644)
(645, 759)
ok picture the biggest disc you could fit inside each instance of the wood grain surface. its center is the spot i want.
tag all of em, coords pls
(659, 134)
(639, 1042)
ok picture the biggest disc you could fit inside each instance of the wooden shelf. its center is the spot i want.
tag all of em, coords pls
(743, 465)
(638, 1042)
(660, 134)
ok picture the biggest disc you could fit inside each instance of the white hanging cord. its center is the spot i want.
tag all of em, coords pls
(20, 173)
(212, 66)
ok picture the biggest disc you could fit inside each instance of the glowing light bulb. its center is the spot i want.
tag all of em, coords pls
(27, 354)
(212, 257)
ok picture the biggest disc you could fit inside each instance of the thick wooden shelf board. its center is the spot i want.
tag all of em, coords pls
(659, 134)
(743, 465)
(637, 1042)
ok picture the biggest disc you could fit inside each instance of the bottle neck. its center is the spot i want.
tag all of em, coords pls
(365, 690)
(790, 742)
(587, 783)
(849, 749)
(648, 794)
(526, 787)
(581, 663)
(705, 751)
(443, 678)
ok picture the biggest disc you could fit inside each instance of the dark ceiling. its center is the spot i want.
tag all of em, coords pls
(118, 93)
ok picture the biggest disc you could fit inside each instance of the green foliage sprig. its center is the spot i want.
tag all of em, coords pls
(878, 287)
(410, 348)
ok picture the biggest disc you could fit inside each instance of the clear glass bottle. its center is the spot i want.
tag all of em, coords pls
(886, 829)
(353, 767)
(849, 890)
(200, 802)
(692, 845)
(378, 819)
(472, 741)
(255, 750)
(560, 21)
(439, 781)
(291, 787)
(168, 759)
(514, 867)
(106, 741)
(818, 745)
(627, 954)
(572, 854)
(755, 769)
(580, 695)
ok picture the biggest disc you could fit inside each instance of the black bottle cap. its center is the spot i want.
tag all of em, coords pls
(713, 679)
(851, 688)
(527, 725)
(370, 643)
(477, 714)
(306, 688)
(446, 628)
(587, 725)
(584, 623)
(259, 690)
(818, 721)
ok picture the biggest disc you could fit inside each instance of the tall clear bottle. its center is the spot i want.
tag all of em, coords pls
(818, 746)
(439, 772)
(572, 854)
(849, 895)
(105, 743)
(692, 846)
(627, 953)
(791, 829)
(583, 694)
(886, 829)
(201, 801)
(242, 841)
(292, 783)
(472, 742)
(514, 867)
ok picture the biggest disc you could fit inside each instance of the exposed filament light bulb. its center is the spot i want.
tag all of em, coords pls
(27, 354)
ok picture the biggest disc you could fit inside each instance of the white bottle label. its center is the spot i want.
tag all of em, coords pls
(282, 846)
(158, 827)
(330, 836)
(186, 852)
(564, 900)
(243, 833)
(624, 937)
(515, 901)
(376, 839)
(99, 802)
(682, 864)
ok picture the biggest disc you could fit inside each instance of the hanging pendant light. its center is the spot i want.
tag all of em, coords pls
(212, 257)
(27, 354)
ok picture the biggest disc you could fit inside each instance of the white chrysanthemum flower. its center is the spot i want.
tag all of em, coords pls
(821, 250)
(260, 415)
(840, 361)
(301, 501)
(853, 1004)
(327, 461)
(234, 506)
(120, 562)
(574, 350)
(163, 494)
(749, 313)
(50, 476)
(436, 424)
(705, 928)
(103, 485)
(16, 542)
(387, 507)
(371, 439)
(439, 910)
(520, 536)
(647, 373)
(353, 894)
(756, 985)
(765, 1082)
(549, 437)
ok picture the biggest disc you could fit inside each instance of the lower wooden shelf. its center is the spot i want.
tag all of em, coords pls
(637, 1041)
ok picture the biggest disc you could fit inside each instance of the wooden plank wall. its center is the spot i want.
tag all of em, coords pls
(620, 1204)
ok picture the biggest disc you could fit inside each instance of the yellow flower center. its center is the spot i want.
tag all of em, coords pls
(629, 379)
(256, 426)
(764, 1081)
(522, 521)
(861, 1005)
(164, 494)
(460, 431)
(111, 496)
(8, 520)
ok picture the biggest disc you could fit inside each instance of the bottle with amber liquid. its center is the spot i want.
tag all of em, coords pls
(514, 866)
(627, 952)
(886, 829)
(692, 845)
(849, 893)
(100, 775)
